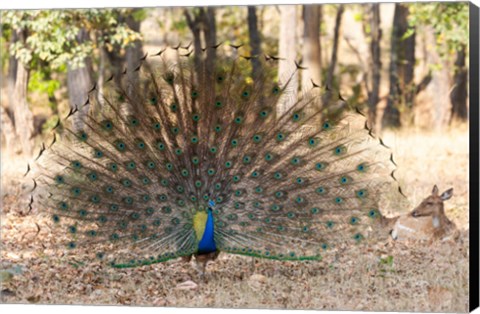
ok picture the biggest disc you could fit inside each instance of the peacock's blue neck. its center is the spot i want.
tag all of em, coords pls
(207, 243)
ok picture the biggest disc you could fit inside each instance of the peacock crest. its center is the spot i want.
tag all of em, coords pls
(191, 159)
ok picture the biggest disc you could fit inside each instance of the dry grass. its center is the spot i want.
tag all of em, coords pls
(428, 158)
(386, 276)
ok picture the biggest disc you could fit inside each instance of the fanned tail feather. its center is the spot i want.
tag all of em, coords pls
(128, 186)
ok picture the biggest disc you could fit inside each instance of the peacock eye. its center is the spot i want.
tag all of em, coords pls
(203, 147)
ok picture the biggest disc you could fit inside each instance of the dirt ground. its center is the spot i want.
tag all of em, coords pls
(385, 276)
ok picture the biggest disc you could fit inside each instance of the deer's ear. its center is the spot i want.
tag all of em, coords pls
(447, 194)
(435, 190)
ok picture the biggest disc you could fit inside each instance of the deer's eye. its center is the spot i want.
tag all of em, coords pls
(429, 203)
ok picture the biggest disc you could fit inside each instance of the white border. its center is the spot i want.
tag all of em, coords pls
(59, 4)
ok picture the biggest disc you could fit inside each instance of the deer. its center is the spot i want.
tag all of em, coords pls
(427, 221)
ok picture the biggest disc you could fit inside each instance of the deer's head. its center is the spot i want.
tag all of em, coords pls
(433, 204)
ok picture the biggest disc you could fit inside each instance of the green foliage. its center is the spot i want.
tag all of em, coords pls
(3, 53)
(448, 20)
(39, 82)
(52, 35)
(385, 265)
(173, 21)
(180, 25)
(50, 124)
(410, 31)
(231, 25)
(358, 16)
(139, 15)
(387, 261)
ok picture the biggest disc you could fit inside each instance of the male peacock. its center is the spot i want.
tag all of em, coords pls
(190, 160)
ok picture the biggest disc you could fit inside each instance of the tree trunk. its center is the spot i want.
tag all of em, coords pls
(255, 43)
(23, 117)
(195, 27)
(288, 53)
(205, 55)
(8, 132)
(79, 82)
(117, 61)
(12, 72)
(327, 96)
(133, 55)
(438, 90)
(100, 103)
(402, 63)
(7, 117)
(459, 92)
(311, 46)
(210, 34)
(375, 61)
(336, 35)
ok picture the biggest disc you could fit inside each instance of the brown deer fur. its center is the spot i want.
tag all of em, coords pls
(427, 221)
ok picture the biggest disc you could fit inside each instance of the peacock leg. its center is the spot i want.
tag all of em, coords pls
(201, 265)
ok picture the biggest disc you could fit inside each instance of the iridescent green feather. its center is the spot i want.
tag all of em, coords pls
(291, 187)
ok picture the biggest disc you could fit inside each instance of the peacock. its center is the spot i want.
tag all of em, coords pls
(195, 158)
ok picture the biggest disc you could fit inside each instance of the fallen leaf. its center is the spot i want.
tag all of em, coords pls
(187, 285)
